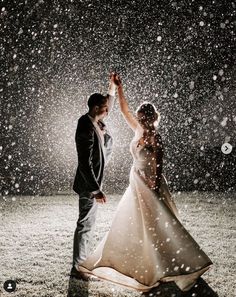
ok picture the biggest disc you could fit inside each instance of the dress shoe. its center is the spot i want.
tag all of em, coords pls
(79, 275)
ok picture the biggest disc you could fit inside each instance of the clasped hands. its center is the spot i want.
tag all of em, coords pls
(114, 78)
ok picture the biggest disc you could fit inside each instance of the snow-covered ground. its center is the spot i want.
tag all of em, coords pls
(37, 235)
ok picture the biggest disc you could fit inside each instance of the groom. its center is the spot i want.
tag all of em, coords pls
(94, 145)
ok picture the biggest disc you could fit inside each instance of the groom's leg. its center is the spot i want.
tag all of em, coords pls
(87, 216)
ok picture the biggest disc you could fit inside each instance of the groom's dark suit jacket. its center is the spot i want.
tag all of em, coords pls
(91, 156)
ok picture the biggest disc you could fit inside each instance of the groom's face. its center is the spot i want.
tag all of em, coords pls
(102, 110)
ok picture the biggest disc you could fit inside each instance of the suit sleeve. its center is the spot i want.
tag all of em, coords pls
(111, 100)
(84, 143)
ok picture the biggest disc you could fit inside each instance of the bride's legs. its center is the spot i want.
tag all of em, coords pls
(87, 216)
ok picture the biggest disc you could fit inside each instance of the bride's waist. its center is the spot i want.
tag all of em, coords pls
(139, 165)
(142, 168)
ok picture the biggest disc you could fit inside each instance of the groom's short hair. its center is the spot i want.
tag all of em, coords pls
(96, 100)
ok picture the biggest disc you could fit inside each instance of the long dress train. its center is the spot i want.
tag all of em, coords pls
(146, 243)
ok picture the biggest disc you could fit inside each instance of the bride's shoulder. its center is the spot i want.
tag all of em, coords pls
(139, 130)
(138, 127)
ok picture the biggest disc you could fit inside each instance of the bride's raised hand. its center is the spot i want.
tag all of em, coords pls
(117, 79)
(124, 107)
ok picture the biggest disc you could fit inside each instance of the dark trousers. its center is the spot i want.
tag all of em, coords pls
(87, 217)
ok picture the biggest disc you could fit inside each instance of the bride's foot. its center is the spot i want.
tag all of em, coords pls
(79, 275)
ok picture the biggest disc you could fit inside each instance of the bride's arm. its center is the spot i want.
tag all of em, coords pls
(124, 107)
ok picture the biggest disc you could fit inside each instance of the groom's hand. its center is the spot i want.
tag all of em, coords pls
(100, 197)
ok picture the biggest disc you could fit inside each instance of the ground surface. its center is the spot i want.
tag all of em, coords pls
(36, 235)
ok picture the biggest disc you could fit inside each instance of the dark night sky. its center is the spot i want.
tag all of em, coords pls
(180, 55)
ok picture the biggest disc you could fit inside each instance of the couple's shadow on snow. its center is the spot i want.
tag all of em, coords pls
(200, 289)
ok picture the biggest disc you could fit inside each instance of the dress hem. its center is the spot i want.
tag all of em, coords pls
(144, 288)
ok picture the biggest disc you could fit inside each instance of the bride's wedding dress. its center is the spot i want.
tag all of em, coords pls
(146, 243)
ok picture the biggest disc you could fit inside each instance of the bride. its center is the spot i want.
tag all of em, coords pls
(146, 243)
